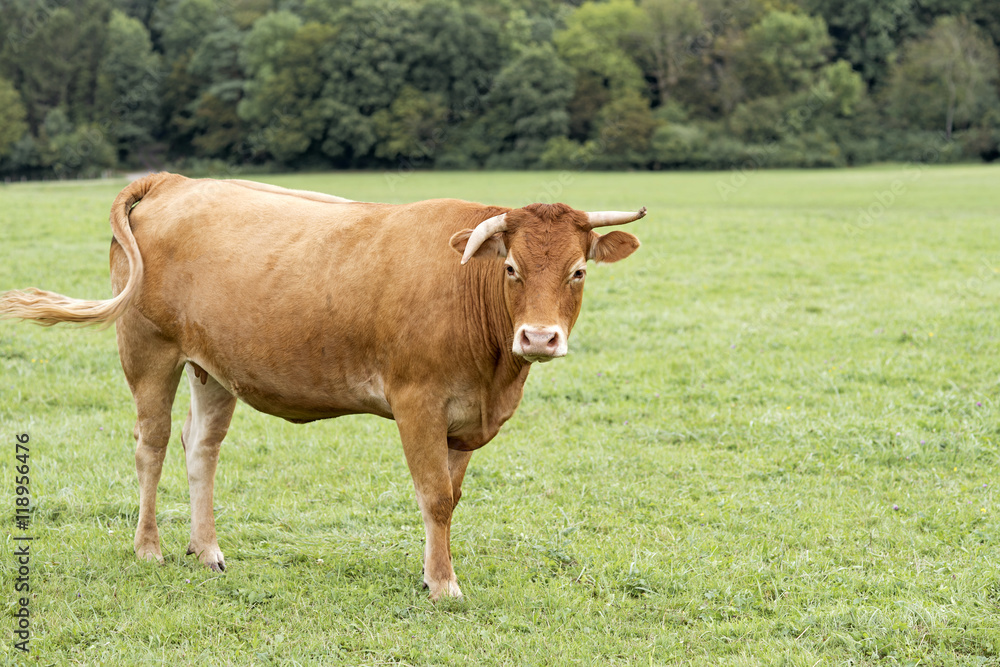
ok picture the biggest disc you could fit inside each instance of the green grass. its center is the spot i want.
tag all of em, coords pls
(709, 478)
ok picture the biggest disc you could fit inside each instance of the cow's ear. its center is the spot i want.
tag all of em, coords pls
(611, 246)
(491, 248)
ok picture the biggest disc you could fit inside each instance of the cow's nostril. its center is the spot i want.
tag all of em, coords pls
(543, 342)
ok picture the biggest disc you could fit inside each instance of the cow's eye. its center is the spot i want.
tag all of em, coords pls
(579, 274)
(511, 273)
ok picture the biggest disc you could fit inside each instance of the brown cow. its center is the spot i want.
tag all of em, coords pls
(308, 306)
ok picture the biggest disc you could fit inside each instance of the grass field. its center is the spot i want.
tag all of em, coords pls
(774, 441)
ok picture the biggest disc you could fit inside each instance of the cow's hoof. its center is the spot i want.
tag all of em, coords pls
(445, 589)
(148, 552)
(210, 557)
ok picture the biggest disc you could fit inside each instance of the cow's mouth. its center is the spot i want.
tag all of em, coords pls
(540, 358)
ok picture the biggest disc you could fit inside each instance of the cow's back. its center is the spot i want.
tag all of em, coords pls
(301, 308)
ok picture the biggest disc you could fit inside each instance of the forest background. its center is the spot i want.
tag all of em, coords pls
(217, 86)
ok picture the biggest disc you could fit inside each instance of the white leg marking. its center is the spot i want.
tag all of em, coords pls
(208, 420)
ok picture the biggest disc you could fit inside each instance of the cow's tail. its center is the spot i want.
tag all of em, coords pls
(48, 308)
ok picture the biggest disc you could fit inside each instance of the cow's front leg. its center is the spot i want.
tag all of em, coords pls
(425, 442)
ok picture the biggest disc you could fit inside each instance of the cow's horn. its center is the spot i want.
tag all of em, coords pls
(483, 231)
(605, 218)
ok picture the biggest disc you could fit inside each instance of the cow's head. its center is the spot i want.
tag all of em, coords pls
(544, 251)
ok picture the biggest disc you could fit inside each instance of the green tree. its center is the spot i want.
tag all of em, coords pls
(212, 119)
(284, 104)
(986, 14)
(947, 79)
(840, 87)
(56, 57)
(455, 51)
(69, 149)
(12, 115)
(370, 55)
(866, 32)
(267, 41)
(205, 83)
(270, 103)
(528, 106)
(625, 128)
(678, 145)
(782, 53)
(412, 128)
(597, 43)
(138, 9)
(668, 38)
(128, 82)
(179, 26)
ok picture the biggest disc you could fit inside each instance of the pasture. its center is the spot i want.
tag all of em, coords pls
(774, 441)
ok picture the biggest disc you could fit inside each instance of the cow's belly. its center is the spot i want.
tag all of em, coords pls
(296, 399)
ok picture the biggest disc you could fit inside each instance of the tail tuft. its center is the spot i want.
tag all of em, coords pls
(48, 308)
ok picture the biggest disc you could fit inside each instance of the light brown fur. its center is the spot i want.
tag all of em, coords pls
(307, 307)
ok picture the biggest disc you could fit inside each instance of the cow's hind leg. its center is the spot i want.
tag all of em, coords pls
(152, 367)
(458, 461)
(207, 422)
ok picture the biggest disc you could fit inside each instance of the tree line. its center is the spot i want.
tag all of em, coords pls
(88, 86)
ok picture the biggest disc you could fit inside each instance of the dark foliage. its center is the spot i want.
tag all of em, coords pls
(88, 86)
